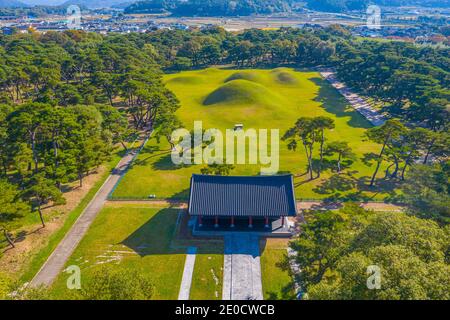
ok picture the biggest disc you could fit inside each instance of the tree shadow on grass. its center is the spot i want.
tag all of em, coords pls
(382, 186)
(182, 195)
(339, 188)
(286, 293)
(333, 102)
(166, 163)
(153, 151)
(155, 236)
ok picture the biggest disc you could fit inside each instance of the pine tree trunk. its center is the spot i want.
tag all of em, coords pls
(124, 146)
(372, 181)
(8, 238)
(394, 174)
(80, 178)
(321, 154)
(310, 163)
(41, 216)
(425, 160)
(339, 163)
(408, 159)
(308, 158)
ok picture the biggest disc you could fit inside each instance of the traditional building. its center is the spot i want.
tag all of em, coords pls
(241, 202)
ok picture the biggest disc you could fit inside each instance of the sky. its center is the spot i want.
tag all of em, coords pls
(43, 2)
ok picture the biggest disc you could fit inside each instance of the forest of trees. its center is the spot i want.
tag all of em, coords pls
(66, 100)
(335, 249)
(411, 82)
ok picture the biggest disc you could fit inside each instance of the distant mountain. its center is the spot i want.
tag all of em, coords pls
(94, 4)
(122, 5)
(43, 2)
(12, 4)
(211, 7)
(361, 5)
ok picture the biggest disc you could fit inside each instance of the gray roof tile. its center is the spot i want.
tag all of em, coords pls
(242, 195)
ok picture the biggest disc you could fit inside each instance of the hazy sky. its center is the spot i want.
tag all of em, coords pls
(43, 2)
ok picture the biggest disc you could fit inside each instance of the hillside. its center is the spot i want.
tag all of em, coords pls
(94, 4)
(361, 5)
(12, 4)
(211, 7)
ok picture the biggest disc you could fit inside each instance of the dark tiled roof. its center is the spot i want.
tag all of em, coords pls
(242, 196)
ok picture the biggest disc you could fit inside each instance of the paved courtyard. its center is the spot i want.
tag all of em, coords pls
(242, 268)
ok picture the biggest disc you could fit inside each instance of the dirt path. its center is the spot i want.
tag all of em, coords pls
(63, 251)
(301, 205)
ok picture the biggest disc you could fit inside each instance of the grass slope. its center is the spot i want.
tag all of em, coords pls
(271, 99)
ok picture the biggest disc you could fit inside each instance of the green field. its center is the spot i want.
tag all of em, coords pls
(276, 281)
(271, 99)
(130, 237)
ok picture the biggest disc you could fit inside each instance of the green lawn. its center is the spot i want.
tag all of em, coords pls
(142, 238)
(271, 99)
(276, 282)
(131, 238)
(208, 275)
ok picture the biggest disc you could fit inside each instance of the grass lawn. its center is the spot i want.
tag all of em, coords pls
(208, 275)
(131, 238)
(276, 282)
(146, 239)
(271, 99)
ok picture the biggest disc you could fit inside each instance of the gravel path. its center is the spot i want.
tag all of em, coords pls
(358, 103)
(55, 263)
(242, 268)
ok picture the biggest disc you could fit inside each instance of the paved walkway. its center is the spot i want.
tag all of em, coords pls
(186, 281)
(55, 263)
(242, 268)
(358, 103)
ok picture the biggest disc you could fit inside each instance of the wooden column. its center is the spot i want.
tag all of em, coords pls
(232, 222)
(250, 222)
(216, 222)
(199, 218)
(267, 222)
(282, 221)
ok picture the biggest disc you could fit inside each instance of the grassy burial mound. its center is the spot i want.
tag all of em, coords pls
(245, 75)
(283, 76)
(259, 99)
(241, 92)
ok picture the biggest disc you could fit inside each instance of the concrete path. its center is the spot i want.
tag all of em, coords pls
(242, 268)
(55, 263)
(358, 103)
(188, 271)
